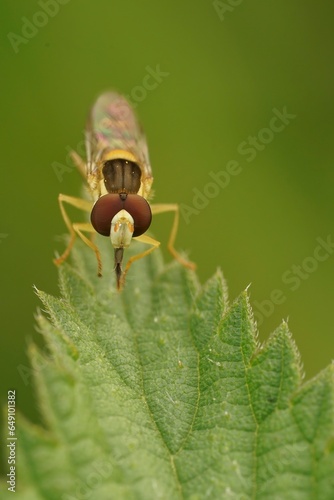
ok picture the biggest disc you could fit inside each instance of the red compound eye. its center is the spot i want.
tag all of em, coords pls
(104, 211)
(108, 205)
(140, 210)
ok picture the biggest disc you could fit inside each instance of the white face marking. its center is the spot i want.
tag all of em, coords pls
(122, 227)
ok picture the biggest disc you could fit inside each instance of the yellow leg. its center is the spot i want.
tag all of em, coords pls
(79, 163)
(77, 228)
(143, 239)
(87, 227)
(161, 208)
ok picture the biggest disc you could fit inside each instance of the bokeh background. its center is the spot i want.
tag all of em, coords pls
(221, 68)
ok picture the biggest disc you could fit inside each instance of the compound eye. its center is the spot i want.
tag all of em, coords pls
(104, 210)
(140, 210)
(108, 205)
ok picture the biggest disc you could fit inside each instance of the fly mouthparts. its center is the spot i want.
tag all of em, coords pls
(118, 267)
(119, 274)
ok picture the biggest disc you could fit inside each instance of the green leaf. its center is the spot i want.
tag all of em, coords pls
(163, 392)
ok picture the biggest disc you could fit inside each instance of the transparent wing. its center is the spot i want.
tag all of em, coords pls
(112, 124)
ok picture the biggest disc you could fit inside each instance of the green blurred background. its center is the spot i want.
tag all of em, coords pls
(225, 67)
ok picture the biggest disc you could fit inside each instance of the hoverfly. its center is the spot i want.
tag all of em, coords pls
(119, 178)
